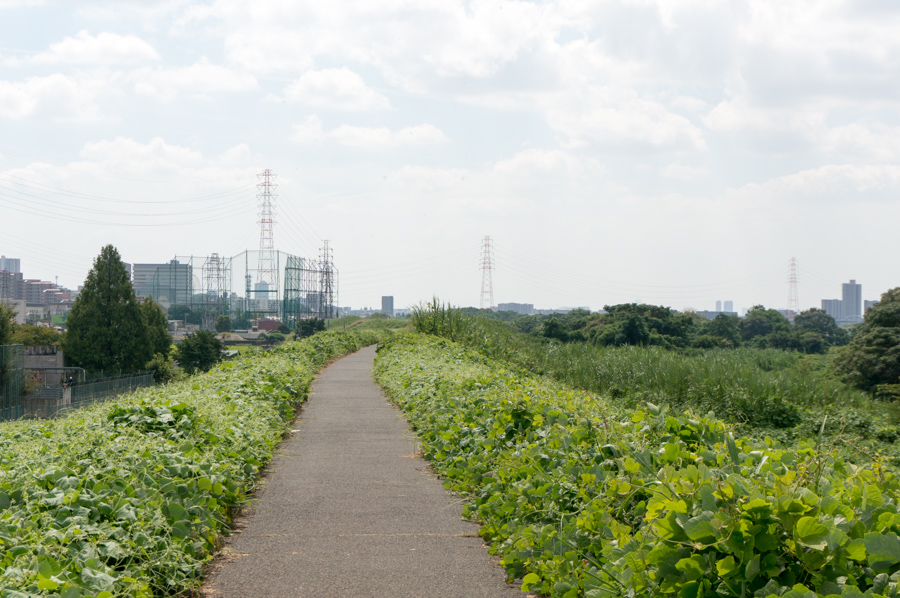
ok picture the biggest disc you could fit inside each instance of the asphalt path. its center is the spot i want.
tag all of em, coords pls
(349, 510)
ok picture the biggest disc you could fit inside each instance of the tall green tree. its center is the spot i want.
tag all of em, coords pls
(817, 320)
(106, 330)
(7, 323)
(760, 321)
(872, 358)
(157, 327)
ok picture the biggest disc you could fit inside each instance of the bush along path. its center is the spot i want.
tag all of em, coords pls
(583, 499)
(131, 498)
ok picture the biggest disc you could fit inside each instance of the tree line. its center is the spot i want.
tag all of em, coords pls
(867, 356)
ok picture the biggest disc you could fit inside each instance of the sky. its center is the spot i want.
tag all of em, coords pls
(673, 152)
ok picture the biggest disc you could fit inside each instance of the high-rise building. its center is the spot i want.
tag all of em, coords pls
(833, 308)
(12, 286)
(851, 301)
(387, 305)
(718, 306)
(525, 309)
(869, 304)
(10, 264)
(729, 306)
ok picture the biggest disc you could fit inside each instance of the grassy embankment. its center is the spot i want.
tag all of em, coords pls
(786, 395)
(132, 497)
(583, 496)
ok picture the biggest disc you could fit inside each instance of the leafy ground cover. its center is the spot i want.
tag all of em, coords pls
(783, 394)
(131, 498)
(581, 497)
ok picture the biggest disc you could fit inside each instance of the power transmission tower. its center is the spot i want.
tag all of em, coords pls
(266, 271)
(487, 267)
(793, 304)
(327, 283)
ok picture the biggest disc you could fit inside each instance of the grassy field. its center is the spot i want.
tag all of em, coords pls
(786, 395)
(582, 496)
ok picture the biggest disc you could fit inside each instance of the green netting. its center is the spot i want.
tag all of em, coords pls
(12, 381)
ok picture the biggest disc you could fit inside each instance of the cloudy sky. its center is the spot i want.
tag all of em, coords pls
(666, 151)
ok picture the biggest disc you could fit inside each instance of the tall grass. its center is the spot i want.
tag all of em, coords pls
(760, 387)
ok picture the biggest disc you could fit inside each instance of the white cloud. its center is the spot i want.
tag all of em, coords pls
(407, 39)
(677, 170)
(104, 49)
(312, 130)
(619, 116)
(536, 162)
(826, 188)
(334, 89)
(57, 98)
(197, 80)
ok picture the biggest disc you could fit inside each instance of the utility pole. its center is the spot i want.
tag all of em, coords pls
(793, 304)
(487, 267)
(327, 282)
(267, 272)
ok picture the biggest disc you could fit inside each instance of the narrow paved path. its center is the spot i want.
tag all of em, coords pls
(348, 510)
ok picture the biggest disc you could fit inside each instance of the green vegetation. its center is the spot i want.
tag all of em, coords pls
(186, 315)
(131, 498)
(107, 329)
(309, 327)
(762, 388)
(199, 351)
(872, 360)
(7, 323)
(583, 498)
(35, 336)
(223, 324)
(633, 324)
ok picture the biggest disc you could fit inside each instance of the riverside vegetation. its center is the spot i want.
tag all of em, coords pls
(786, 395)
(132, 497)
(586, 496)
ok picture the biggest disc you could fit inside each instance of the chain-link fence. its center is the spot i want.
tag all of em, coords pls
(12, 381)
(52, 400)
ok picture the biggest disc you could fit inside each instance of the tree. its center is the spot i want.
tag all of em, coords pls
(725, 327)
(157, 328)
(7, 323)
(35, 336)
(873, 356)
(309, 327)
(760, 321)
(106, 330)
(199, 351)
(817, 320)
(223, 323)
(185, 314)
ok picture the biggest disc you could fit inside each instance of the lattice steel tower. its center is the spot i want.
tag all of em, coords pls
(327, 283)
(793, 304)
(267, 270)
(487, 267)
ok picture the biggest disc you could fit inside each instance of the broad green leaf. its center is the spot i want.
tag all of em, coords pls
(692, 567)
(47, 584)
(699, 528)
(856, 549)
(752, 568)
(811, 533)
(883, 550)
(800, 591)
(726, 566)
(530, 580)
(690, 590)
